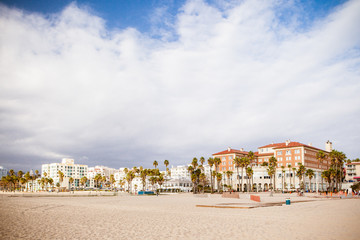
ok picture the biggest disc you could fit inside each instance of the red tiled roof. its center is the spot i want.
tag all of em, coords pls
(291, 144)
(230, 151)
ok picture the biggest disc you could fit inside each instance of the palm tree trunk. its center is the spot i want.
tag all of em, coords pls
(238, 177)
(242, 177)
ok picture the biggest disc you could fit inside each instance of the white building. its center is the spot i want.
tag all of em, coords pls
(102, 170)
(68, 168)
(3, 171)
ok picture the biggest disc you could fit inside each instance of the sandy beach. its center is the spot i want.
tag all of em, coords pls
(176, 217)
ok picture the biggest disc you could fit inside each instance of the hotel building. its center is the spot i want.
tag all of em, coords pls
(353, 172)
(288, 154)
(69, 168)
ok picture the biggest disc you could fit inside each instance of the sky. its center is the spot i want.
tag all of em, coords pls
(124, 83)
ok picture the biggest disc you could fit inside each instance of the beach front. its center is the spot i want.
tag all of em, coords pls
(176, 217)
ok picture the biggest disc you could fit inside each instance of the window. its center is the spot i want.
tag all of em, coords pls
(289, 158)
(230, 157)
(230, 162)
(280, 159)
(223, 163)
(288, 152)
(279, 153)
(223, 158)
(297, 150)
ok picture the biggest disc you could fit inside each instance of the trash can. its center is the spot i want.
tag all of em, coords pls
(288, 201)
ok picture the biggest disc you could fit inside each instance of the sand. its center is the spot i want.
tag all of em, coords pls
(176, 217)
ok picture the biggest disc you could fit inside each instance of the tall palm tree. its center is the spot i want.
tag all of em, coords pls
(273, 164)
(237, 163)
(217, 162)
(71, 180)
(83, 181)
(155, 163)
(112, 181)
(202, 160)
(300, 173)
(249, 173)
(289, 166)
(228, 175)
(211, 163)
(166, 163)
(27, 178)
(218, 178)
(310, 174)
(97, 178)
(51, 182)
(202, 179)
(61, 177)
(129, 178)
(282, 178)
(294, 173)
(244, 162)
(321, 156)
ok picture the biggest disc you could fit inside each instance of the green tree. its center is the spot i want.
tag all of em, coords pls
(310, 174)
(321, 156)
(71, 180)
(211, 164)
(217, 162)
(300, 174)
(155, 163)
(218, 178)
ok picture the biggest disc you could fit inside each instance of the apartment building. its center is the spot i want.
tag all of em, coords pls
(353, 172)
(68, 168)
(102, 170)
(3, 171)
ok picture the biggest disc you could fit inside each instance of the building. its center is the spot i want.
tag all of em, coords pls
(289, 155)
(3, 171)
(352, 172)
(102, 170)
(68, 168)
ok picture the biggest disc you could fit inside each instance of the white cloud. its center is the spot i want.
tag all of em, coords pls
(234, 76)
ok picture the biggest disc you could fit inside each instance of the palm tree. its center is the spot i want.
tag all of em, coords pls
(202, 160)
(143, 175)
(321, 156)
(244, 161)
(112, 180)
(289, 166)
(166, 163)
(155, 163)
(218, 178)
(282, 178)
(97, 178)
(61, 177)
(71, 180)
(249, 173)
(228, 175)
(300, 173)
(237, 163)
(27, 178)
(122, 183)
(294, 170)
(310, 174)
(202, 179)
(83, 181)
(160, 180)
(129, 178)
(211, 163)
(51, 181)
(104, 180)
(217, 162)
(272, 163)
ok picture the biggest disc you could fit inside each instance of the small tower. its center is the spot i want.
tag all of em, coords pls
(328, 146)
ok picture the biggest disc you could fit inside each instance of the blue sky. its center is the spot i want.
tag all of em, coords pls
(137, 13)
(129, 82)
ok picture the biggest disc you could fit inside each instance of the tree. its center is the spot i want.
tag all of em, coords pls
(289, 166)
(300, 173)
(237, 164)
(112, 180)
(155, 163)
(51, 182)
(211, 163)
(228, 175)
(143, 175)
(97, 178)
(321, 156)
(273, 164)
(61, 177)
(282, 178)
(249, 174)
(83, 181)
(202, 160)
(202, 179)
(217, 162)
(310, 174)
(71, 180)
(27, 178)
(242, 165)
(218, 178)
(160, 180)
(294, 171)
(129, 178)
(166, 163)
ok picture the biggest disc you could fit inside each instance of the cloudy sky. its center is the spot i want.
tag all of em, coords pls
(127, 83)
